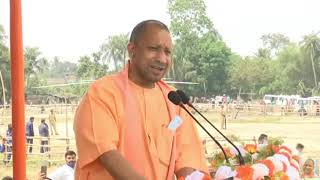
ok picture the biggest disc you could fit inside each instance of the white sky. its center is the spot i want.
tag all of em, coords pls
(71, 28)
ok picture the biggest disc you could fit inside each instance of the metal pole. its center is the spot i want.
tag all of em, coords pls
(4, 98)
(67, 131)
(17, 91)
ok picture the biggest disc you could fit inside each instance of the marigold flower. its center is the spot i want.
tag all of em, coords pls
(251, 148)
(244, 172)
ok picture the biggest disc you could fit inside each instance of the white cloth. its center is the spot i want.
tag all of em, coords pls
(224, 172)
(196, 175)
(64, 172)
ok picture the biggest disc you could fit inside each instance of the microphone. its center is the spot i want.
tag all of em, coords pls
(185, 99)
(176, 99)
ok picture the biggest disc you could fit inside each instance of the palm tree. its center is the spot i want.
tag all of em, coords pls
(34, 63)
(311, 47)
(114, 49)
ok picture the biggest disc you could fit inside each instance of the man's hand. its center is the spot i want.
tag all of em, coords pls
(184, 172)
(42, 176)
(118, 166)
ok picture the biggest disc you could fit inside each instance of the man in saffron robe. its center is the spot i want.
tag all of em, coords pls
(122, 123)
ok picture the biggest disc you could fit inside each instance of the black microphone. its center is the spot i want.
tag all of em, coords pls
(185, 99)
(176, 99)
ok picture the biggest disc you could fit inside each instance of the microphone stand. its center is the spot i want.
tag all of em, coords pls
(241, 160)
(185, 100)
(224, 153)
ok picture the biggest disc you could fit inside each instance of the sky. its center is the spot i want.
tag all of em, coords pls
(72, 28)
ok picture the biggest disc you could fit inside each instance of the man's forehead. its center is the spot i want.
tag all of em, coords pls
(153, 28)
(71, 156)
(157, 36)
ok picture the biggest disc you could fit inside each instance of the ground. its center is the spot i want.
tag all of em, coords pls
(291, 128)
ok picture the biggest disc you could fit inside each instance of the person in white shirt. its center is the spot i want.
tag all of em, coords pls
(299, 153)
(65, 172)
(262, 141)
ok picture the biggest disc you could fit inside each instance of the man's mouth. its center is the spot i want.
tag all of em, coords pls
(158, 68)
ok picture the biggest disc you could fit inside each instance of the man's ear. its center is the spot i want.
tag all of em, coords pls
(131, 50)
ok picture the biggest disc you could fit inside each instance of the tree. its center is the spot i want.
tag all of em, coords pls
(59, 69)
(114, 49)
(4, 64)
(100, 67)
(263, 53)
(188, 23)
(274, 42)
(35, 64)
(288, 70)
(199, 54)
(91, 67)
(250, 74)
(85, 68)
(188, 17)
(311, 48)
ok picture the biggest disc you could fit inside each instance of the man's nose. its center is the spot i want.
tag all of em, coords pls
(162, 56)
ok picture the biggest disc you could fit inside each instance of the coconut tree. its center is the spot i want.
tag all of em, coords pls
(35, 63)
(311, 47)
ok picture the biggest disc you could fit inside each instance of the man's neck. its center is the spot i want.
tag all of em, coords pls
(132, 75)
(143, 85)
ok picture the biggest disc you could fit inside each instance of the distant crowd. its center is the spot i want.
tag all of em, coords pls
(44, 133)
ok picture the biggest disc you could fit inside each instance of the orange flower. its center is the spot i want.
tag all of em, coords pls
(284, 177)
(280, 176)
(244, 172)
(251, 148)
(214, 164)
(229, 153)
(275, 148)
(206, 177)
(269, 165)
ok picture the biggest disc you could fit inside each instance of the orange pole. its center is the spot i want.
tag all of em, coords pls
(17, 91)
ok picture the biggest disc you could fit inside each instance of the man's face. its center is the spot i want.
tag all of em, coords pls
(70, 158)
(150, 55)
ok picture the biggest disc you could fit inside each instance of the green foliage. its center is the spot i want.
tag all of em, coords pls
(114, 49)
(35, 65)
(251, 73)
(91, 67)
(310, 46)
(199, 55)
(251, 155)
(274, 42)
(287, 71)
(280, 67)
(4, 63)
(61, 69)
(273, 144)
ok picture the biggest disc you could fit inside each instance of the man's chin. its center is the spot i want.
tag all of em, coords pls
(156, 78)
